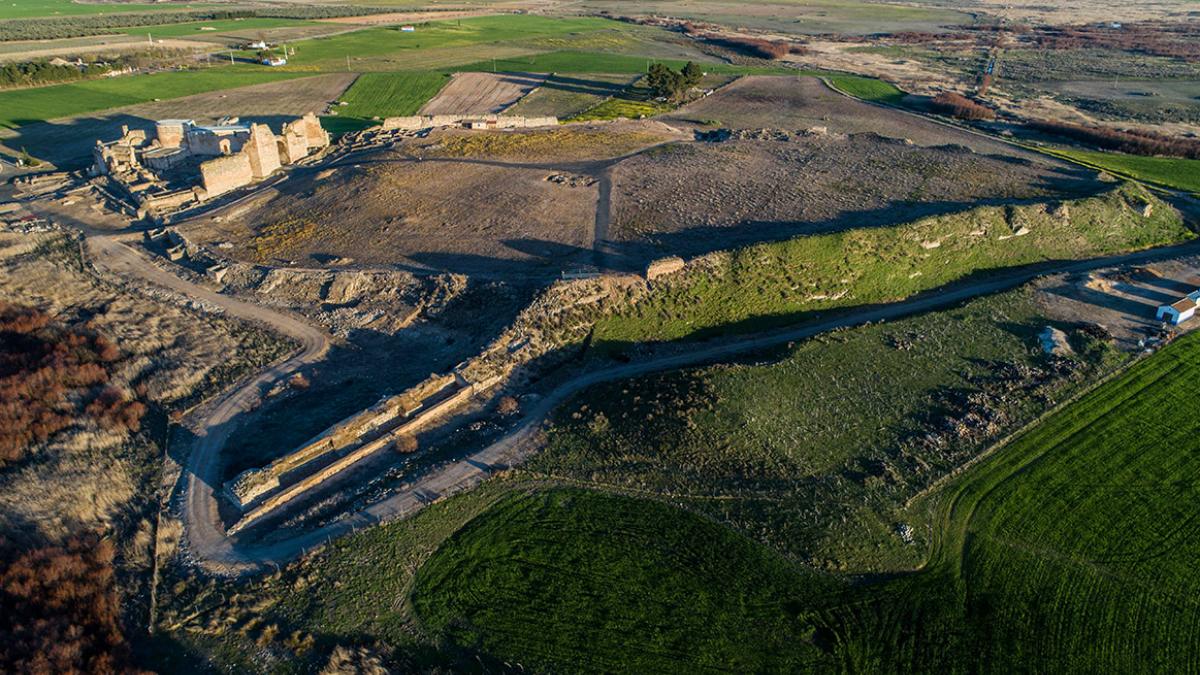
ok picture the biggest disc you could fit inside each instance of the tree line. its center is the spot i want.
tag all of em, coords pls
(50, 28)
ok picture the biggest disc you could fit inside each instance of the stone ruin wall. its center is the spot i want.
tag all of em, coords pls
(415, 122)
(226, 173)
(262, 150)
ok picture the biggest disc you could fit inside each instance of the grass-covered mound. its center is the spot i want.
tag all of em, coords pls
(576, 581)
(777, 283)
(814, 452)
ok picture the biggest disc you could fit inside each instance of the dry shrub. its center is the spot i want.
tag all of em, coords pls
(46, 370)
(1132, 142)
(405, 444)
(60, 609)
(508, 406)
(756, 47)
(957, 105)
(354, 661)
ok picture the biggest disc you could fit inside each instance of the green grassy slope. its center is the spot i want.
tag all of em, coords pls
(771, 284)
(577, 581)
(1172, 172)
(813, 452)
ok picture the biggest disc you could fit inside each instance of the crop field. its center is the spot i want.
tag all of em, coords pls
(46, 103)
(1091, 509)
(1172, 172)
(637, 597)
(211, 30)
(775, 283)
(389, 94)
(68, 142)
(566, 94)
(26, 9)
(397, 46)
(599, 62)
(867, 88)
(481, 93)
(819, 16)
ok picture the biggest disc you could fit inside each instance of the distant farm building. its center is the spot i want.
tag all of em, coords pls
(274, 61)
(408, 29)
(1181, 310)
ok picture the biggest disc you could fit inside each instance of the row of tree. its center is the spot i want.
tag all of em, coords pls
(55, 27)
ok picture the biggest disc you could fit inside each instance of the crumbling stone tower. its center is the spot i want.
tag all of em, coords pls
(262, 150)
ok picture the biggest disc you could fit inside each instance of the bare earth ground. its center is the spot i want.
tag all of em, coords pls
(565, 143)
(795, 103)
(1083, 11)
(1124, 300)
(68, 142)
(111, 44)
(458, 215)
(701, 197)
(481, 93)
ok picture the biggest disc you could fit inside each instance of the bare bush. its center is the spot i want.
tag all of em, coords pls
(60, 609)
(957, 105)
(1132, 142)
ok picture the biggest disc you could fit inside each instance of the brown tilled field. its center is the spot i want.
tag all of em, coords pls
(68, 142)
(457, 215)
(481, 93)
(694, 198)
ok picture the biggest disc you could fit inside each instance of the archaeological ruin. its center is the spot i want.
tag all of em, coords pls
(184, 163)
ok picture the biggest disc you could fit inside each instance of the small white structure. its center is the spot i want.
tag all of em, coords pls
(1181, 310)
(408, 29)
(274, 61)
(258, 44)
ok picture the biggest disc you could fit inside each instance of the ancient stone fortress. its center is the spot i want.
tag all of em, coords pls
(159, 173)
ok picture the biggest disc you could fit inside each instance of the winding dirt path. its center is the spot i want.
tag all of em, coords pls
(219, 553)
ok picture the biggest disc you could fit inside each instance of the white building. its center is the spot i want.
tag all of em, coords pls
(1181, 310)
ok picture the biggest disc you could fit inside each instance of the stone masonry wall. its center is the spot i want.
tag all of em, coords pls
(226, 173)
(262, 151)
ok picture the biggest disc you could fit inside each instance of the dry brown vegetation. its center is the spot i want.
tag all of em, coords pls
(1132, 142)
(51, 377)
(756, 47)
(957, 105)
(61, 613)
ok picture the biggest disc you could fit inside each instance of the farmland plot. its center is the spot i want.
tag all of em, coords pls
(481, 93)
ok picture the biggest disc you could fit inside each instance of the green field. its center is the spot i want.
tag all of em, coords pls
(596, 62)
(778, 283)
(1071, 551)
(387, 94)
(1172, 172)
(571, 581)
(193, 28)
(26, 9)
(44, 103)
(867, 88)
(565, 94)
(397, 46)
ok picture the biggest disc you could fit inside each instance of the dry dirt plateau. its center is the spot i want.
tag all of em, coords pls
(802, 159)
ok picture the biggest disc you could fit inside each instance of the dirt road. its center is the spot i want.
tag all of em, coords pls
(241, 554)
(216, 420)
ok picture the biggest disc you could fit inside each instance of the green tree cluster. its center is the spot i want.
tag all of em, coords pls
(671, 84)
